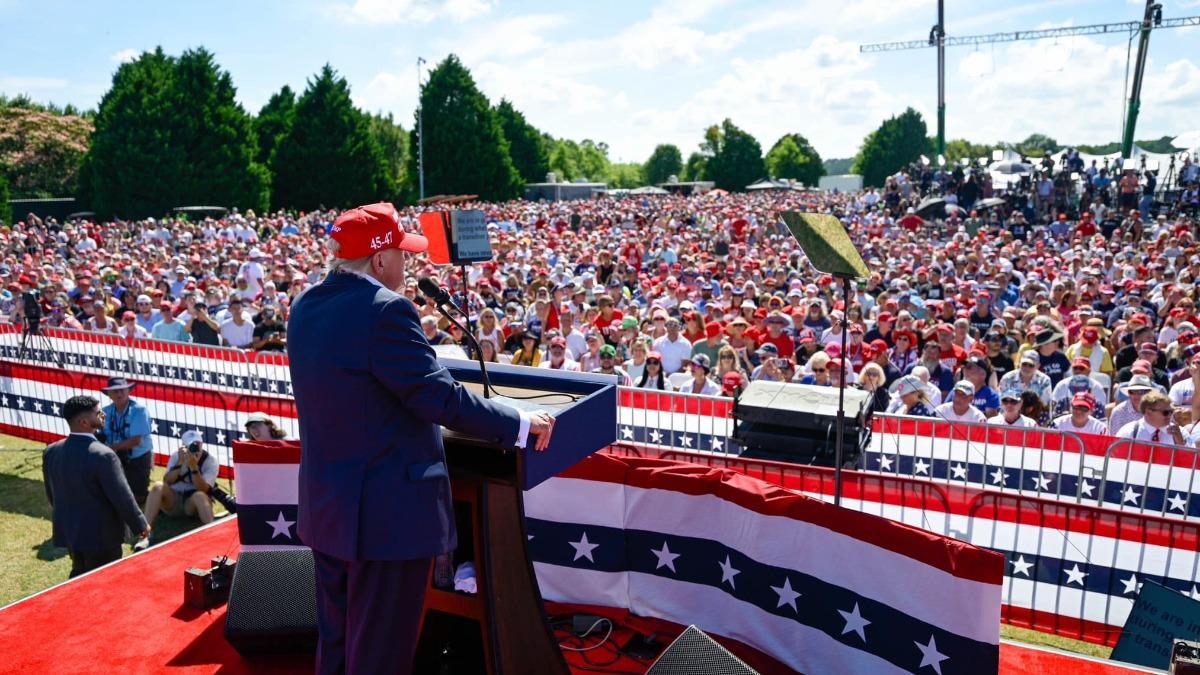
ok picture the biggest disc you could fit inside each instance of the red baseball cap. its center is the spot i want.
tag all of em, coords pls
(1082, 363)
(372, 228)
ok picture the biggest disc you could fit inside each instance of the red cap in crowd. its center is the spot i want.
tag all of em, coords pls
(372, 228)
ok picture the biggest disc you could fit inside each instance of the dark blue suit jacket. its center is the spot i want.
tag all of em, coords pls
(91, 499)
(370, 395)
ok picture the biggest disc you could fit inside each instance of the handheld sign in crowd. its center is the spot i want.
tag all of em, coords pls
(1160, 616)
(456, 237)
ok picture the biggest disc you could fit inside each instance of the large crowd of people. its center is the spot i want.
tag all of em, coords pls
(1065, 297)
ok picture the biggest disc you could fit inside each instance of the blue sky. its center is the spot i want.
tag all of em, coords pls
(634, 74)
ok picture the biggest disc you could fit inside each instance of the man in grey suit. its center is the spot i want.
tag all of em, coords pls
(91, 499)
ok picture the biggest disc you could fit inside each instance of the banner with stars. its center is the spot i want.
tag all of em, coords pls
(817, 587)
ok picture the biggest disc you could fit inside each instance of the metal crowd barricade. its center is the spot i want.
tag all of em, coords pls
(652, 418)
(1155, 478)
(1035, 461)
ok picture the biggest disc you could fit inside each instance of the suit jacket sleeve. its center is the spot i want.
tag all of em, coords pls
(407, 366)
(112, 481)
(46, 480)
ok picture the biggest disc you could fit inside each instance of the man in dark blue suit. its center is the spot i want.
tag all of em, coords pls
(375, 501)
(86, 487)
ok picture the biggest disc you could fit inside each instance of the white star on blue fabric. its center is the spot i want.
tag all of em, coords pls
(959, 471)
(175, 431)
(854, 622)
(930, 656)
(1131, 584)
(687, 440)
(920, 467)
(885, 463)
(1086, 488)
(728, 572)
(716, 444)
(1041, 482)
(1131, 496)
(627, 433)
(1075, 575)
(999, 477)
(786, 595)
(665, 557)
(1177, 503)
(1021, 566)
(281, 527)
(583, 548)
(656, 435)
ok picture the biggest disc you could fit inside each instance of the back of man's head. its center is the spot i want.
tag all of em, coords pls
(78, 405)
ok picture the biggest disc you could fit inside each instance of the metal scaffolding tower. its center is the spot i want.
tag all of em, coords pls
(937, 38)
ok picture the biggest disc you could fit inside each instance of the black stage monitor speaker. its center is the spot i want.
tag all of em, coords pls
(797, 423)
(695, 652)
(273, 602)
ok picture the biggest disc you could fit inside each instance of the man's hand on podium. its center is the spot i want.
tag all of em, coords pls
(541, 424)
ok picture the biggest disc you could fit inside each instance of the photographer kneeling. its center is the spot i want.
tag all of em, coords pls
(184, 490)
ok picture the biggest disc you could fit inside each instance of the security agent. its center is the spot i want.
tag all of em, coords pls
(91, 501)
(375, 504)
(185, 488)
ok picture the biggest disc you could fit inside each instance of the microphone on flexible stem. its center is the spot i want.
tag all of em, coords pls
(440, 299)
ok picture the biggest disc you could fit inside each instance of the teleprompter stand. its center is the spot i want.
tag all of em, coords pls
(824, 240)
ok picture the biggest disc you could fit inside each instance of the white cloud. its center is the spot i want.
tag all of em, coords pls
(418, 11)
(389, 92)
(124, 55)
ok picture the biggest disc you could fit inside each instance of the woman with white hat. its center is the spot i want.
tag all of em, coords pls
(911, 391)
(260, 427)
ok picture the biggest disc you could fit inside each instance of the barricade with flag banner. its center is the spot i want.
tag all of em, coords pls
(1082, 577)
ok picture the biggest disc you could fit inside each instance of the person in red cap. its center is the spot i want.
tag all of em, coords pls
(1080, 419)
(732, 384)
(374, 494)
(1090, 348)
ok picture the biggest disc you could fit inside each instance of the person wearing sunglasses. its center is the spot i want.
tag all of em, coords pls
(1080, 419)
(653, 376)
(1157, 424)
(1010, 411)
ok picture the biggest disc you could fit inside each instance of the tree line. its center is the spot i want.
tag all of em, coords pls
(170, 132)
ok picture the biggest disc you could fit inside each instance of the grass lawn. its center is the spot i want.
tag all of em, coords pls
(1033, 637)
(29, 562)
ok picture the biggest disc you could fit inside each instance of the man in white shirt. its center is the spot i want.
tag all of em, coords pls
(675, 348)
(1080, 419)
(959, 408)
(558, 356)
(1010, 411)
(1157, 424)
(252, 272)
(237, 331)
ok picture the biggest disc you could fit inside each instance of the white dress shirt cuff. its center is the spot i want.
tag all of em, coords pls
(523, 433)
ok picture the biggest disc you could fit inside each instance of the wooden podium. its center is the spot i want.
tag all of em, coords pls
(502, 628)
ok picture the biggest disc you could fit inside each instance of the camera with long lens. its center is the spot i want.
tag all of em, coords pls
(221, 496)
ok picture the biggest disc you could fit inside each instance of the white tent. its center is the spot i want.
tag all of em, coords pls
(648, 190)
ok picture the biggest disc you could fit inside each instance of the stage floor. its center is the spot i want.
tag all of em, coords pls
(130, 617)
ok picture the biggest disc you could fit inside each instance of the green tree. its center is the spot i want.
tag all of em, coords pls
(41, 151)
(959, 149)
(392, 140)
(274, 121)
(525, 143)
(695, 169)
(897, 142)
(464, 145)
(624, 175)
(733, 157)
(129, 168)
(328, 156)
(1036, 144)
(5, 209)
(169, 131)
(214, 138)
(564, 159)
(665, 161)
(794, 157)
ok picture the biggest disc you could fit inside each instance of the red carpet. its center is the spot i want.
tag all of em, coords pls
(130, 617)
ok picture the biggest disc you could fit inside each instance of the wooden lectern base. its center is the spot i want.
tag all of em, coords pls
(502, 629)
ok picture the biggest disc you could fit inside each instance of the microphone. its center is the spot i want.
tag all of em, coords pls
(441, 298)
(431, 290)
